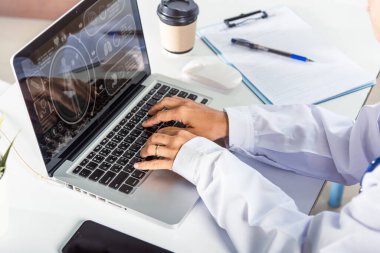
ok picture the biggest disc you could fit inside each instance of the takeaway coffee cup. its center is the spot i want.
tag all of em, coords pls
(178, 20)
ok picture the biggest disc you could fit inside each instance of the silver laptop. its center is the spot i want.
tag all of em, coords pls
(87, 86)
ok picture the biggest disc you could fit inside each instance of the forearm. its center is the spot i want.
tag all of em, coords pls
(305, 139)
(256, 214)
(259, 217)
(42, 9)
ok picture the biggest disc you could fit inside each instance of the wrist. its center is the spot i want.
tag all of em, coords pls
(220, 126)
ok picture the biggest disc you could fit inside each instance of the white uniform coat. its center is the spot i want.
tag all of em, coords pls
(260, 217)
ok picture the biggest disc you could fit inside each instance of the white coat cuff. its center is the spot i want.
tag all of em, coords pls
(187, 160)
(241, 128)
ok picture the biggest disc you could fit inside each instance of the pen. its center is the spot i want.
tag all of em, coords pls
(246, 43)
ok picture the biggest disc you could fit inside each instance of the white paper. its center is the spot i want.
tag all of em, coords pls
(284, 80)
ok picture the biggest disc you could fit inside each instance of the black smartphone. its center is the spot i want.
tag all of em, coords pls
(92, 237)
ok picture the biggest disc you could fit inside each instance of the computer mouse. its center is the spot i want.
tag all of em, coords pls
(213, 72)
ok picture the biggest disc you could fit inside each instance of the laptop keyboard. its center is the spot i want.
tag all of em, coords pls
(111, 162)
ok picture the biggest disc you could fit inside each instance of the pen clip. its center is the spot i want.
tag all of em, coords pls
(229, 21)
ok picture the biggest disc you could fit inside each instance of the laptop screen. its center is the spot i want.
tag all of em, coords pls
(72, 74)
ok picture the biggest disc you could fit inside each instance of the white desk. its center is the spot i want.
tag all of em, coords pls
(43, 215)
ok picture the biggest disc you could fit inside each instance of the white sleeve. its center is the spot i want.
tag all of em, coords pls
(259, 217)
(308, 140)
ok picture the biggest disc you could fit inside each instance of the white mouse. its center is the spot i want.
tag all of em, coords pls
(213, 72)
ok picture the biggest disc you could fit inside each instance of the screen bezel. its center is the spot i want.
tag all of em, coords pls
(73, 148)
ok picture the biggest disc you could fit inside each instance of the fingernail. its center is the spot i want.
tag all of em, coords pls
(136, 165)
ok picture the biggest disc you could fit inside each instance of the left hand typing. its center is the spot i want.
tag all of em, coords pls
(165, 145)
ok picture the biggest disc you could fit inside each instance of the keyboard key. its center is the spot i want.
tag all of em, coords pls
(128, 154)
(138, 174)
(91, 165)
(141, 141)
(152, 129)
(111, 159)
(145, 108)
(140, 114)
(140, 127)
(123, 145)
(129, 168)
(85, 173)
(146, 98)
(132, 181)
(163, 89)
(146, 135)
(141, 103)
(117, 128)
(129, 115)
(135, 120)
(126, 189)
(105, 166)
(129, 126)
(115, 184)
(135, 160)
(98, 159)
(116, 168)
(123, 132)
(157, 96)
(111, 145)
(152, 91)
(173, 91)
(204, 101)
(111, 134)
(130, 139)
(151, 102)
(122, 122)
(136, 133)
(77, 169)
(118, 152)
(117, 138)
(84, 162)
(135, 148)
(105, 152)
(135, 109)
(158, 85)
(91, 155)
(96, 175)
(183, 94)
(98, 148)
(106, 179)
(122, 161)
(192, 97)
(104, 141)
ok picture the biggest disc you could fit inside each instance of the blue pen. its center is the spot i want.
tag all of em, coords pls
(246, 43)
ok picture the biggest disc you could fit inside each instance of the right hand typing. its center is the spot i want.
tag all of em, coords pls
(199, 119)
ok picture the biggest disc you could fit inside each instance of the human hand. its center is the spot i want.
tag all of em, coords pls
(164, 145)
(199, 119)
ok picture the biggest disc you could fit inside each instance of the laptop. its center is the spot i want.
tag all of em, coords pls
(87, 86)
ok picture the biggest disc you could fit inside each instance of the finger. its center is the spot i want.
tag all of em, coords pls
(163, 116)
(158, 151)
(168, 103)
(159, 139)
(162, 164)
(172, 131)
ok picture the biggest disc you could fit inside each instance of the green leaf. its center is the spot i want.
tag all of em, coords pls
(3, 160)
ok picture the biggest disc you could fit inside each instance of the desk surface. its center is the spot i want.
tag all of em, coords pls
(44, 215)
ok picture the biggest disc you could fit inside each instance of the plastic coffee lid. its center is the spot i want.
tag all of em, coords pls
(178, 12)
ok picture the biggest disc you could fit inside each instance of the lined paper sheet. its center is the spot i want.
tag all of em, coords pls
(280, 79)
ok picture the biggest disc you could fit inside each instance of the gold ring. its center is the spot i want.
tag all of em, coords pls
(156, 151)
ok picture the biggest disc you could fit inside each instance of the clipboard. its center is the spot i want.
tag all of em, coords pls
(279, 80)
